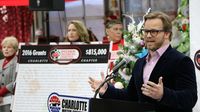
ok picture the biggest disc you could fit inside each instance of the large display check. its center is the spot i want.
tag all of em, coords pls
(60, 69)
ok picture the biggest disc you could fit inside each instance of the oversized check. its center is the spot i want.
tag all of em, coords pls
(61, 69)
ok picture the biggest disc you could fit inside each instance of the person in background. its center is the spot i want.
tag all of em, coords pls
(114, 33)
(164, 78)
(76, 32)
(8, 69)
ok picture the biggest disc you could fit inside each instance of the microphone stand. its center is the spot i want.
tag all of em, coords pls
(108, 78)
(112, 74)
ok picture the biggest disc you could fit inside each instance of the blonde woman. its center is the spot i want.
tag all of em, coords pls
(8, 69)
(76, 32)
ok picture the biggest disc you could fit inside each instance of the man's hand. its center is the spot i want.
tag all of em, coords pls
(95, 84)
(153, 90)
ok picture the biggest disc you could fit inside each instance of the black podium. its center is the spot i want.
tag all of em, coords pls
(110, 105)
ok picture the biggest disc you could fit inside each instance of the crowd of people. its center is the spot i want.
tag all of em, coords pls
(164, 77)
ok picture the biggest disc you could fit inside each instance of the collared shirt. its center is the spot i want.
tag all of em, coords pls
(151, 62)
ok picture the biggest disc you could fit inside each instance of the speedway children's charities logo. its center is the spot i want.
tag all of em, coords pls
(62, 55)
(197, 59)
(64, 103)
(54, 103)
(55, 54)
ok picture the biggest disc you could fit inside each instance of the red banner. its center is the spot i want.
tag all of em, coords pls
(14, 2)
(20, 2)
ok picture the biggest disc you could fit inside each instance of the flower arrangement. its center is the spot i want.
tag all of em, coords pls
(133, 48)
(181, 40)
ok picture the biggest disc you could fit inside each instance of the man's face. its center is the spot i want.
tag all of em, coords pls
(154, 36)
(8, 50)
(115, 32)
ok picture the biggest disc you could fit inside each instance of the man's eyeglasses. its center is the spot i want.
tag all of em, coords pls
(153, 32)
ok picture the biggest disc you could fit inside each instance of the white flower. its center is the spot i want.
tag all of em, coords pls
(132, 28)
(137, 41)
(132, 49)
(119, 85)
(139, 26)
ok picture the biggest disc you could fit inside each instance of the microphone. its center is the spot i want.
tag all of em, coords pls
(123, 62)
